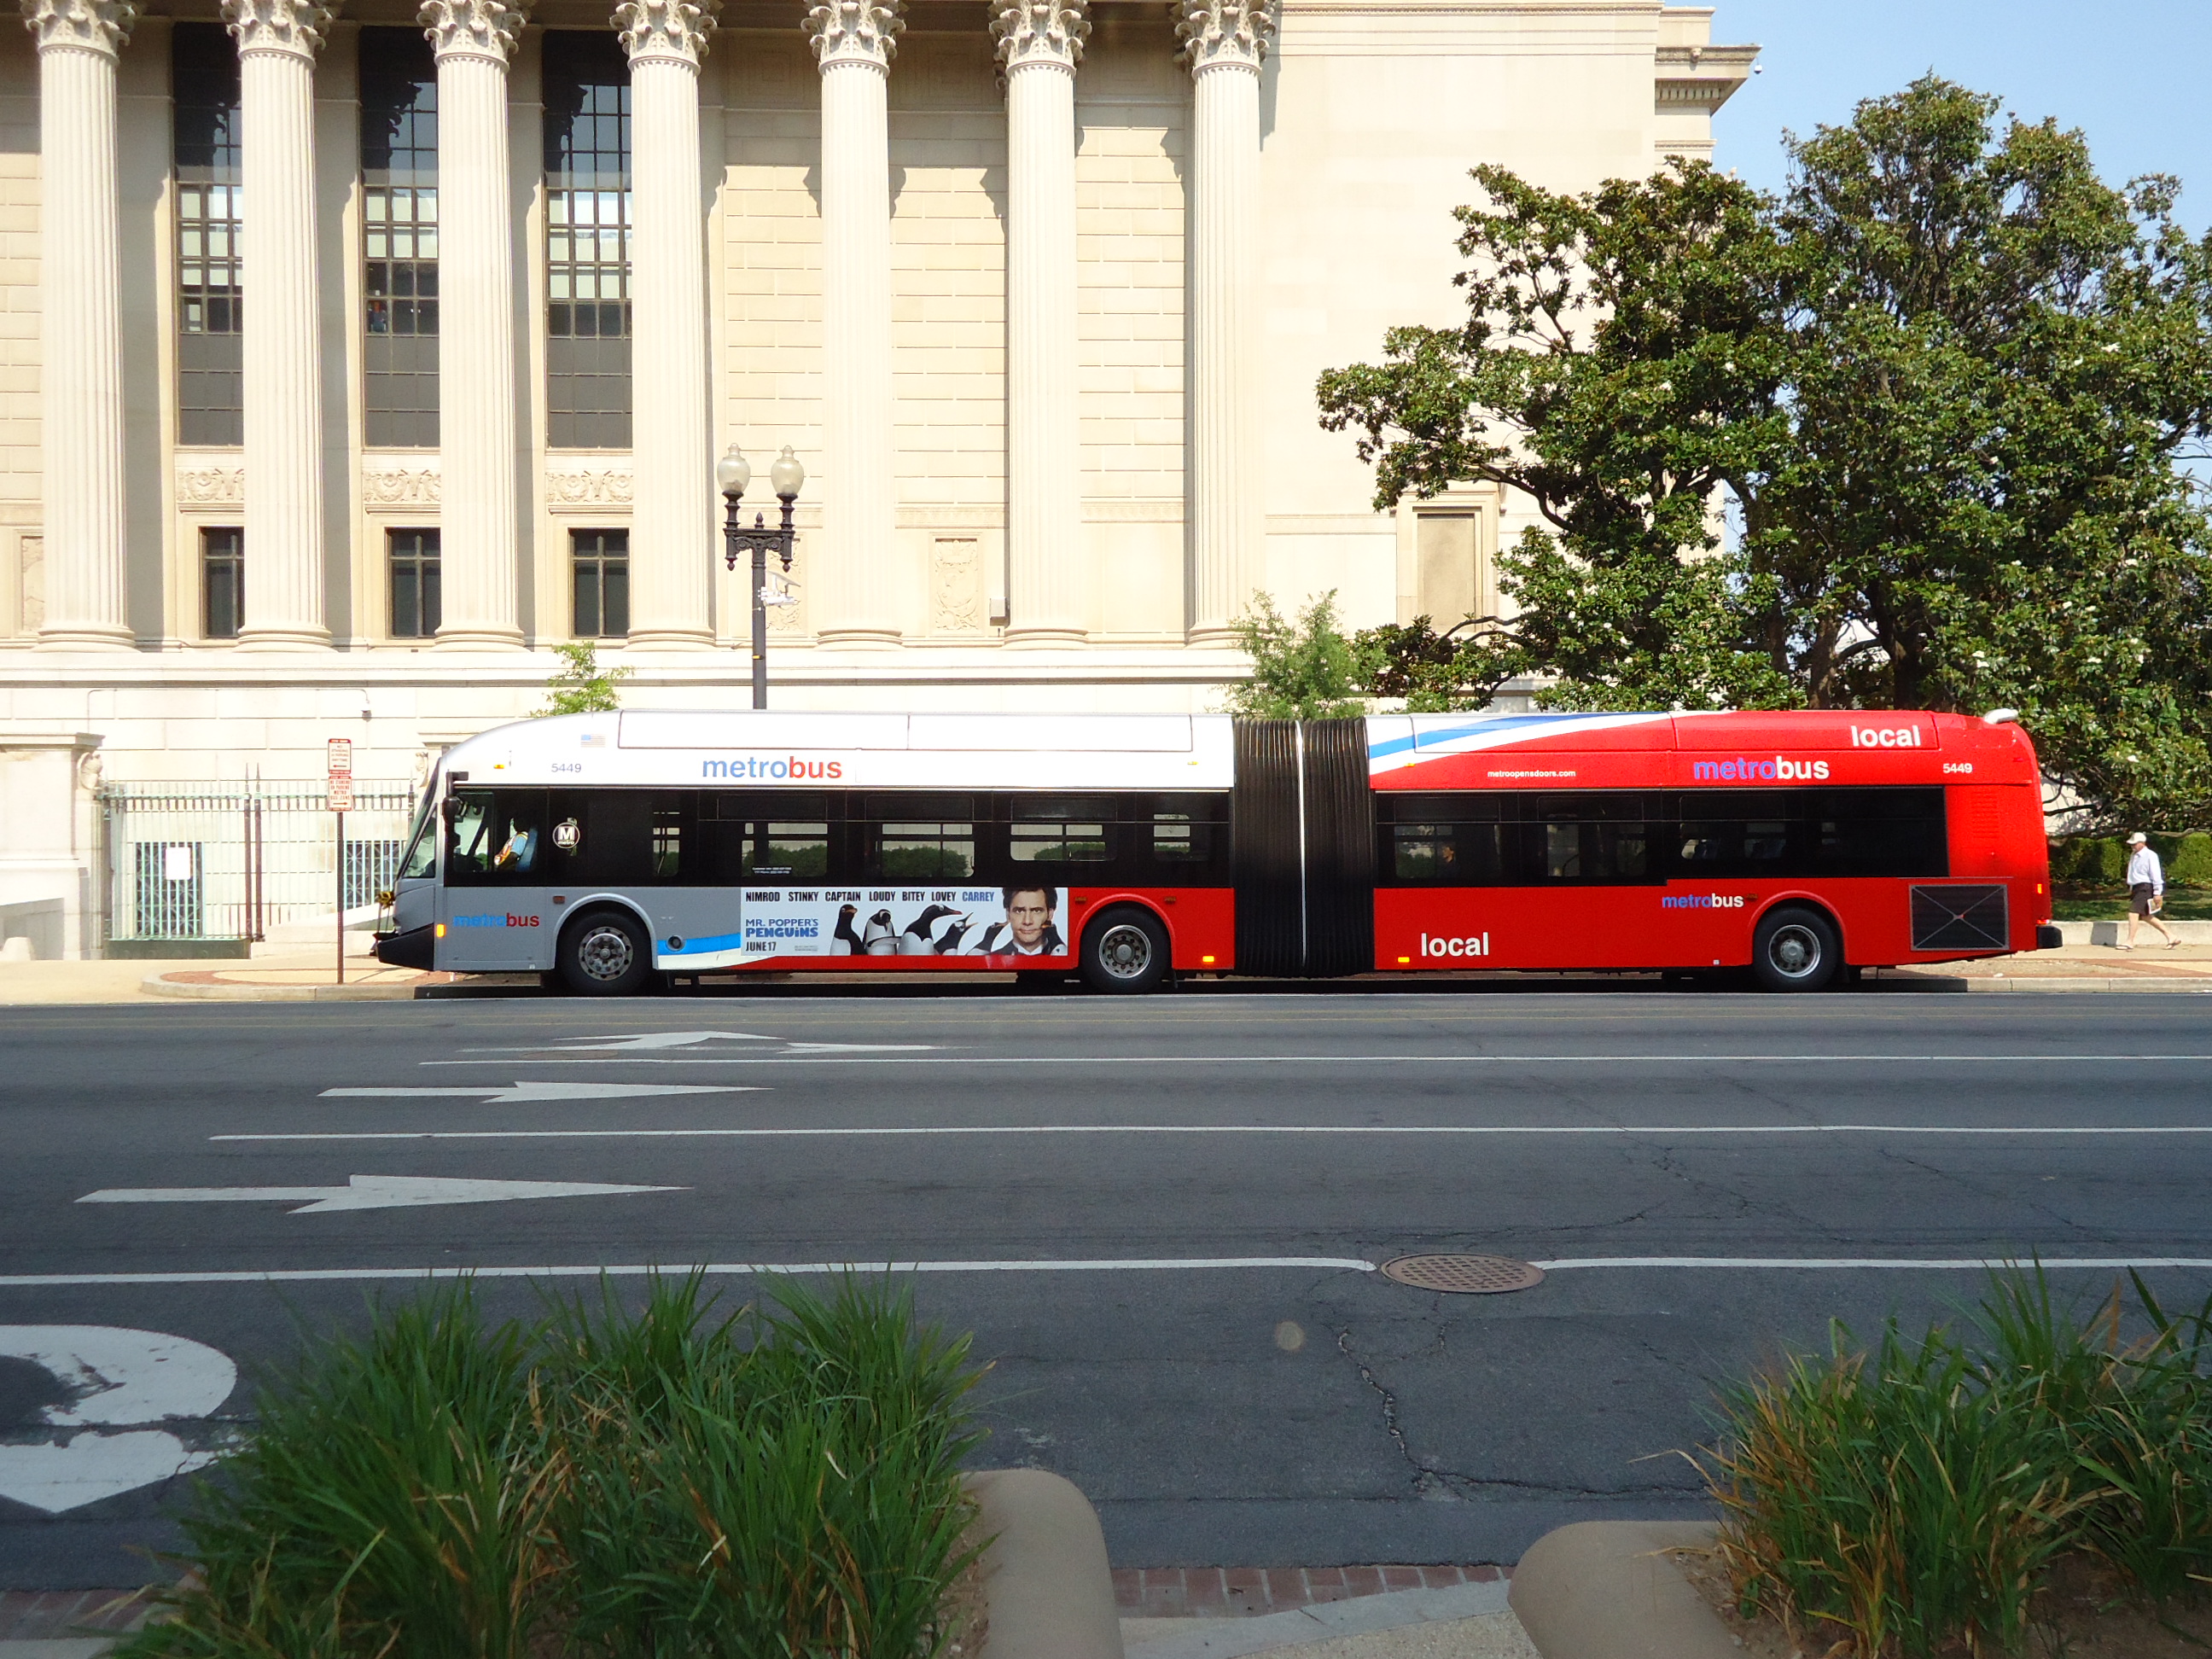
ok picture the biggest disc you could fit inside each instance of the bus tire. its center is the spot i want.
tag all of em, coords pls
(1125, 952)
(605, 953)
(1796, 949)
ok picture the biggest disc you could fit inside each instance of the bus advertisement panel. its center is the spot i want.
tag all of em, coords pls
(1012, 927)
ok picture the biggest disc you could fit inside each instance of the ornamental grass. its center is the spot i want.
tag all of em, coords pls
(650, 1484)
(1918, 1497)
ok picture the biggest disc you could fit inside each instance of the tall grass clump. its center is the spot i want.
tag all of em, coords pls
(1919, 1494)
(660, 1483)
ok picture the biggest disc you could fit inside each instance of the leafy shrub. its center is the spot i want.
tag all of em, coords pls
(599, 1483)
(2191, 863)
(2102, 861)
(1919, 1495)
(1307, 670)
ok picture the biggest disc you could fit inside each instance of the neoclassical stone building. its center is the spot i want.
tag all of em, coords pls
(350, 359)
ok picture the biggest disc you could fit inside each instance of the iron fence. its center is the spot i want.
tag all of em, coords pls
(236, 861)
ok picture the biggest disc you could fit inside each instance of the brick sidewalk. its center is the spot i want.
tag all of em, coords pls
(1241, 1592)
(1138, 1593)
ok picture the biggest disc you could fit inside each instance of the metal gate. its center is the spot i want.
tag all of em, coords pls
(233, 861)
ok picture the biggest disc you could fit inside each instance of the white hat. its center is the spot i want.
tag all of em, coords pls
(2138, 839)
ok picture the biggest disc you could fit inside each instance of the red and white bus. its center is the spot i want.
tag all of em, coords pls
(611, 849)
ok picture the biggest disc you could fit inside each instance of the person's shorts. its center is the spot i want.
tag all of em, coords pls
(2139, 898)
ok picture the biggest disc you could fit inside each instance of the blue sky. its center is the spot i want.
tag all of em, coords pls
(2131, 73)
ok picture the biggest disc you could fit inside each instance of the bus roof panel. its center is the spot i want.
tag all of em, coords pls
(750, 728)
(1155, 734)
(1809, 728)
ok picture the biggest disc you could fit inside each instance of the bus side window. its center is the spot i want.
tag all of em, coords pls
(468, 830)
(1179, 830)
(498, 836)
(918, 838)
(1061, 830)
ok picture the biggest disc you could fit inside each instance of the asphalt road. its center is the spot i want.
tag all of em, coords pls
(1158, 1218)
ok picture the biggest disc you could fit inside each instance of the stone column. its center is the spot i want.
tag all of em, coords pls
(477, 540)
(1040, 43)
(672, 540)
(81, 279)
(1223, 42)
(277, 40)
(850, 594)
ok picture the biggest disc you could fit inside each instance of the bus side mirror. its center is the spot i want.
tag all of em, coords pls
(451, 809)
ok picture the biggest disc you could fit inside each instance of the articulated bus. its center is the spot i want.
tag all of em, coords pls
(614, 850)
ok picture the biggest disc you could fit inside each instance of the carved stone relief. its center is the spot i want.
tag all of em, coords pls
(201, 485)
(400, 486)
(580, 489)
(31, 596)
(958, 603)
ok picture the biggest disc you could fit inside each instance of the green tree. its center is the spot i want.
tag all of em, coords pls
(1306, 669)
(1619, 364)
(1945, 379)
(582, 687)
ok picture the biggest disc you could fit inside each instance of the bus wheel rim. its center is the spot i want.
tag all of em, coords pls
(1794, 950)
(1126, 952)
(605, 953)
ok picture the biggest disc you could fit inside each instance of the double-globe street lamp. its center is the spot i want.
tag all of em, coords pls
(732, 474)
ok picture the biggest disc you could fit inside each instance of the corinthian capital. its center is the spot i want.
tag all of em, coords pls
(1215, 32)
(295, 25)
(856, 31)
(674, 30)
(473, 28)
(1040, 31)
(89, 25)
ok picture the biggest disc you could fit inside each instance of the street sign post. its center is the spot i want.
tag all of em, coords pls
(338, 760)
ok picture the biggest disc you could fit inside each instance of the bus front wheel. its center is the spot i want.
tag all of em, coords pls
(1795, 950)
(605, 953)
(1125, 951)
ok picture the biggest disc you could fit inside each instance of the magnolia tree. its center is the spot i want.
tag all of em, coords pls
(1948, 384)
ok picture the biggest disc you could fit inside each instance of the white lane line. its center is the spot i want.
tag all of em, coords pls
(2108, 1263)
(1654, 1130)
(371, 1192)
(1172, 1264)
(646, 1270)
(506, 1095)
(1334, 1059)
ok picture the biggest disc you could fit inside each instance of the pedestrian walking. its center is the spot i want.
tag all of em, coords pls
(2146, 890)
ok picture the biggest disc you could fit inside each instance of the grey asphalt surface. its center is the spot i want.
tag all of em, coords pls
(1301, 1414)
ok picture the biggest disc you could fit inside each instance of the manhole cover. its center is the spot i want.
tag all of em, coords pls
(1469, 1275)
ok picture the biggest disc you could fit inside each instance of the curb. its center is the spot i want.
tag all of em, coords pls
(1602, 1590)
(2194, 986)
(1048, 1590)
(159, 985)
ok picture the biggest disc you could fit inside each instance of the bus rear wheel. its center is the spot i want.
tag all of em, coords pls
(1125, 951)
(605, 953)
(1795, 950)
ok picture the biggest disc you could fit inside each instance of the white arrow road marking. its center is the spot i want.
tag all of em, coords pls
(117, 1375)
(123, 1375)
(369, 1192)
(518, 1091)
(92, 1467)
(635, 1041)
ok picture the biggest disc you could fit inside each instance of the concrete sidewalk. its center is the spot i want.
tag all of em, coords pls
(296, 978)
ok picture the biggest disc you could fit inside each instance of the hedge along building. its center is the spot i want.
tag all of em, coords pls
(353, 359)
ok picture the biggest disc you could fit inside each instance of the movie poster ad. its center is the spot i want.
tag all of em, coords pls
(964, 927)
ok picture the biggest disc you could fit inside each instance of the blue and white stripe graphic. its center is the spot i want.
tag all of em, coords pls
(1391, 744)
